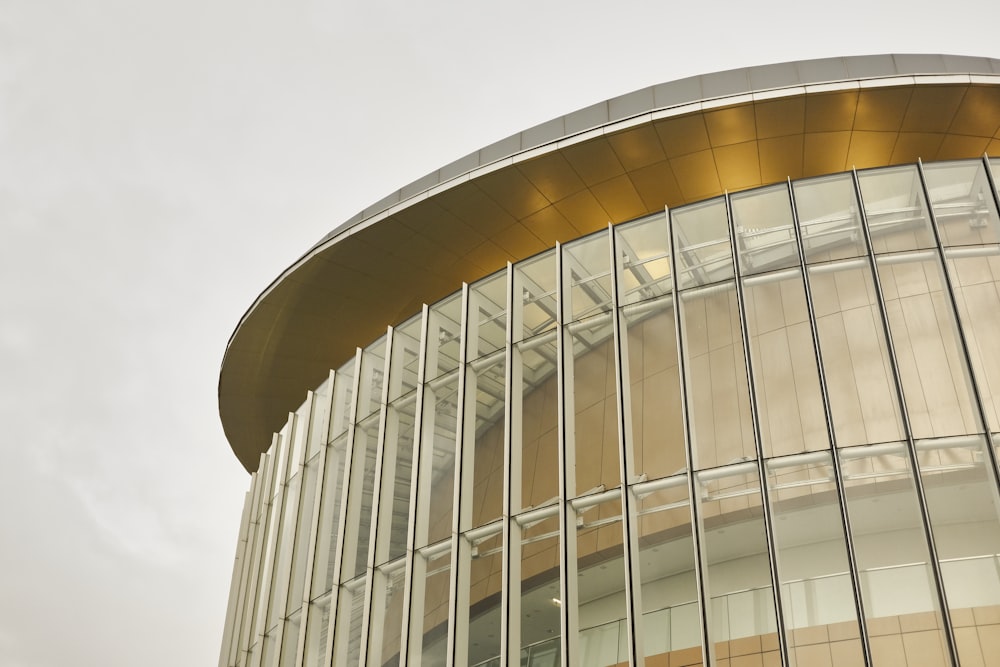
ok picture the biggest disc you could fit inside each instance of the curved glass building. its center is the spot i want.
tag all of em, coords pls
(710, 375)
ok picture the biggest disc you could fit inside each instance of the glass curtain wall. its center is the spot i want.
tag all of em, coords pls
(760, 429)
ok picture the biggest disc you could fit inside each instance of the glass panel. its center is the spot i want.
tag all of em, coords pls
(975, 277)
(535, 442)
(372, 372)
(654, 389)
(323, 576)
(765, 231)
(671, 621)
(405, 358)
(600, 581)
(397, 474)
(896, 210)
(786, 382)
(931, 364)
(431, 597)
(343, 392)
(821, 618)
(437, 467)
(278, 597)
(829, 218)
(317, 631)
(479, 592)
(359, 499)
(855, 358)
(444, 336)
(962, 201)
(963, 506)
(482, 456)
(593, 403)
(701, 241)
(644, 257)
(290, 640)
(900, 602)
(303, 532)
(487, 315)
(586, 269)
(738, 577)
(385, 633)
(535, 295)
(300, 433)
(350, 624)
(319, 425)
(537, 588)
(718, 402)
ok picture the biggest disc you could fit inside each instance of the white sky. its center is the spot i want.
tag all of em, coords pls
(162, 161)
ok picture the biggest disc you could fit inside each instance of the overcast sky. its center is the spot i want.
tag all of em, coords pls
(162, 161)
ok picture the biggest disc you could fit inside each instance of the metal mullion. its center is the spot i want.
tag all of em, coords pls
(457, 504)
(226, 651)
(252, 545)
(510, 618)
(765, 503)
(832, 435)
(626, 461)
(418, 442)
(250, 552)
(959, 328)
(259, 593)
(338, 560)
(324, 427)
(707, 648)
(292, 515)
(907, 428)
(566, 458)
(369, 575)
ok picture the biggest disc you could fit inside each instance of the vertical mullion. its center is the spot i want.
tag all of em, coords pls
(338, 561)
(630, 531)
(704, 604)
(831, 433)
(415, 490)
(250, 552)
(324, 427)
(456, 515)
(510, 612)
(565, 455)
(772, 553)
(225, 654)
(910, 446)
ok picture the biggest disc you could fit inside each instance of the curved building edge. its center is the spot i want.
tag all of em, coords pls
(662, 146)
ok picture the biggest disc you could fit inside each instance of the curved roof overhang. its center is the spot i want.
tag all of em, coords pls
(658, 147)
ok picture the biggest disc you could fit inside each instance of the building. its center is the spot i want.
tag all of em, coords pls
(751, 421)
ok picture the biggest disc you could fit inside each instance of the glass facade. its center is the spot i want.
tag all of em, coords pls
(760, 430)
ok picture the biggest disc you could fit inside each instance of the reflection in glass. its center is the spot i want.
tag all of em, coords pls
(895, 209)
(765, 232)
(654, 389)
(855, 357)
(482, 459)
(405, 358)
(586, 266)
(429, 615)
(397, 475)
(487, 315)
(786, 382)
(975, 278)
(386, 626)
(359, 499)
(738, 577)
(480, 577)
(666, 572)
(829, 218)
(931, 368)
(537, 585)
(600, 580)
(897, 582)
(701, 242)
(343, 394)
(718, 400)
(534, 428)
(963, 204)
(317, 631)
(372, 372)
(444, 336)
(535, 296)
(437, 461)
(327, 546)
(817, 595)
(644, 259)
(592, 404)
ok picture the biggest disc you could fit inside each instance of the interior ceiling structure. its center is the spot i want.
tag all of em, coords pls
(663, 146)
